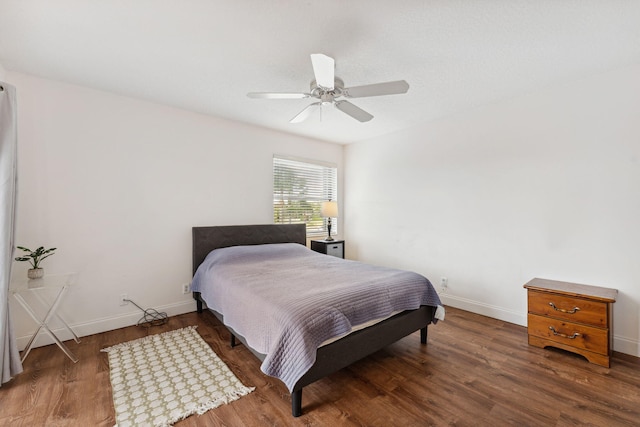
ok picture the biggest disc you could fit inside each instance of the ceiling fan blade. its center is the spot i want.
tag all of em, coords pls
(377, 89)
(278, 95)
(324, 69)
(355, 112)
(306, 113)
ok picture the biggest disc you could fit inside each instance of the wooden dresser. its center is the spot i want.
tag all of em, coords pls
(573, 317)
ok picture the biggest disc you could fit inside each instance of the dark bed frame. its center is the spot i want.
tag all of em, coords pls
(329, 358)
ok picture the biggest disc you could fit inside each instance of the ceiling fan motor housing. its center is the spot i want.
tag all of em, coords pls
(327, 95)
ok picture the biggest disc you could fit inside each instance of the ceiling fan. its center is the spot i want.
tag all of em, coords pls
(328, 89)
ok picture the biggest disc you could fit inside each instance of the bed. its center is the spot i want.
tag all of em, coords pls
(331, 355)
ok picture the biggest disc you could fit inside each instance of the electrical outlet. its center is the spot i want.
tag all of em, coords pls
(124, 299)
(185, 288)
(443, 283)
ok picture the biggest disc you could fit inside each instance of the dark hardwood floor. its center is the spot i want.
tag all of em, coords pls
(474, 371)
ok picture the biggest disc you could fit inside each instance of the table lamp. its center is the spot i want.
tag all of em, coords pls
(329, 210)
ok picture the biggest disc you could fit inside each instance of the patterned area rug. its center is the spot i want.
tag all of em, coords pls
(161, 379)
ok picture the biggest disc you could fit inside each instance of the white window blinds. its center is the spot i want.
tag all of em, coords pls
(299, 188)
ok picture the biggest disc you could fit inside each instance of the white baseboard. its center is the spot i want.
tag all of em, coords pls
(626, 346)
(105, 324)
(488, 310)
(620, 344)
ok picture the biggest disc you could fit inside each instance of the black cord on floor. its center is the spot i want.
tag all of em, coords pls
(151, 316)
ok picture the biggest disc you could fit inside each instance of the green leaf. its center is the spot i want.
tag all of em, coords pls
(35, 257)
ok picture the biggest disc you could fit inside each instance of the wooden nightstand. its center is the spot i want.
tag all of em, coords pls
(576, 318)
(329, 247)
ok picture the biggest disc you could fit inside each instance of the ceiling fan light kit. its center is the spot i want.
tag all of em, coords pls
(327, 88)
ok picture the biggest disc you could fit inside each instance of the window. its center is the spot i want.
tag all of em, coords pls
(299, 188)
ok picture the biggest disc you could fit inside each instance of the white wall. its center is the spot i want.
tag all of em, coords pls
(546, 185)
(116, 185)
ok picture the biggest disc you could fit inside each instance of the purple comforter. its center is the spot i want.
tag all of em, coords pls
(286, 300)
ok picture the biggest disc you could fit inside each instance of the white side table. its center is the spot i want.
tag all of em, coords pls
(55, 284)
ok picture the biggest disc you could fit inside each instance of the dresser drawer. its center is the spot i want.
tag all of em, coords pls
(569, 308)
(336, 249)
(571, 334)
(329, 247)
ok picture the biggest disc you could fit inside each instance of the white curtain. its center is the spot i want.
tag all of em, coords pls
(9, 356)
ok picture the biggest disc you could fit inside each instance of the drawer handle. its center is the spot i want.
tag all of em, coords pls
(572, 311)
(558, 334)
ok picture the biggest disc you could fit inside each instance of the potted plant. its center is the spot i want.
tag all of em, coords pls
(35, 258)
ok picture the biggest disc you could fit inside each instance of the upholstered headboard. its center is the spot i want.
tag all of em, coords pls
(206, 239)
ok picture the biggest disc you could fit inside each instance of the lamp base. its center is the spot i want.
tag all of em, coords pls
(329, 238)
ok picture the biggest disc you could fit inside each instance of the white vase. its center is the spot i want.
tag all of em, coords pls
(35, 273)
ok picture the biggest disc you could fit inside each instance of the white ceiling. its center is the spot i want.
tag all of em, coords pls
(204, 56)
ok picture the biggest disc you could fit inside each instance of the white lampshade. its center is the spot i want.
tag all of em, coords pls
(329, 209)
